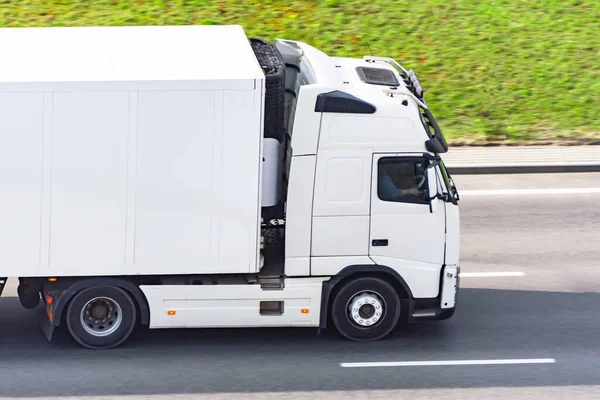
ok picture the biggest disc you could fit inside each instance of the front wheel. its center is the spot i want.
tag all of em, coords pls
(101, 317)
(366, 309)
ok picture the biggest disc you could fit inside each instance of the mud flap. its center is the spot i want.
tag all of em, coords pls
(46, 322)
(48, 328)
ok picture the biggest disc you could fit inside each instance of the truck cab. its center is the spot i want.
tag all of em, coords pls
(366, 188)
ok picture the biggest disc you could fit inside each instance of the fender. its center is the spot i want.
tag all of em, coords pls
(73, 289)
(329, 285)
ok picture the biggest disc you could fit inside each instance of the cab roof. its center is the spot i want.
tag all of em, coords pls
(371, 77)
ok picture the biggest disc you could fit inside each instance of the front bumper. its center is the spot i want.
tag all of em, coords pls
(436, 314)
(450, 285)
(442, 307)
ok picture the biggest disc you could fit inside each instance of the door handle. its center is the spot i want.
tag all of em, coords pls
(380, 242)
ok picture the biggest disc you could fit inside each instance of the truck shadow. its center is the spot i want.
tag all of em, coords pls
(489, 324)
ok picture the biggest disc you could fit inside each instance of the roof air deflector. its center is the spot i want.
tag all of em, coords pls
(342, 102)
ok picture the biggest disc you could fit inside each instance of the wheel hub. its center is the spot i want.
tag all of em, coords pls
(101, 316)
(99, 311)
(366, 309)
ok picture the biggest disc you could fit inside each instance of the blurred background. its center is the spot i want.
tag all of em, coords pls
(494, 72)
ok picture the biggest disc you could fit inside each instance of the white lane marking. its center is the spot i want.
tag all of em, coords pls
(447, 362)
(489, 274)
(509, 192)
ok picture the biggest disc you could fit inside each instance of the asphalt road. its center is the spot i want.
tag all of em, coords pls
(547, 309)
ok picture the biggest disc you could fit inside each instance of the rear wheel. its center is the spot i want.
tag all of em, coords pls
(101, 317)
(366, 309)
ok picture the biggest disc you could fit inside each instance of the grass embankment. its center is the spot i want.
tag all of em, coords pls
(491, 70)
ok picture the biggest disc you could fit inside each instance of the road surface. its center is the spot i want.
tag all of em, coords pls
(531, 294)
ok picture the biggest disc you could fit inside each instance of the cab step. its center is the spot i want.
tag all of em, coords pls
(272, 277)
(271, 283)
(2, 284)
(425, 313)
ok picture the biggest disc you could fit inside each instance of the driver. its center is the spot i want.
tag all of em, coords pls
(389, 191)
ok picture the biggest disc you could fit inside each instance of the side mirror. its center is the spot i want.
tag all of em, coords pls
(433, 189)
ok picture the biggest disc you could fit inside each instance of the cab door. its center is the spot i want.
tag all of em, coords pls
(407, 228)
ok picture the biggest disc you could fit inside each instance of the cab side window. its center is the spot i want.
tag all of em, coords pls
(402, 180)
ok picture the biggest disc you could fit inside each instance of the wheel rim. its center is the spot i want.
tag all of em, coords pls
(366, 309)
(101, 316)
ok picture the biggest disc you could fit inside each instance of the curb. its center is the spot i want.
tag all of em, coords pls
(521, 169)
(523, 160)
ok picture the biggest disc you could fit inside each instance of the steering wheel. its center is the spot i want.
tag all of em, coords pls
(421, 181)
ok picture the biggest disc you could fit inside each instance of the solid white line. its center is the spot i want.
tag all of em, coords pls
(504, 192)
(489, 274)
(448, 362)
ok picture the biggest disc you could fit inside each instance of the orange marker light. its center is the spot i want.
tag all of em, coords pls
(49, 313)
(171, 312)
(304, 311)
(52, 279)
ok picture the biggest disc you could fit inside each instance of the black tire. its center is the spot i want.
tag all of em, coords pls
(110, 298)
(377, 289)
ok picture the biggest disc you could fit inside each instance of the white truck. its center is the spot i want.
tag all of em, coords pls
(192, 177)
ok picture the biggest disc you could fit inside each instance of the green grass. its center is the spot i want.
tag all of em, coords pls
(496, 69)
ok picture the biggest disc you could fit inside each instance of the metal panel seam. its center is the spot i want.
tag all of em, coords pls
(312, 199)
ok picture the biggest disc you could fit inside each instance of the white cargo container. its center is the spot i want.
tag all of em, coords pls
(184, 177)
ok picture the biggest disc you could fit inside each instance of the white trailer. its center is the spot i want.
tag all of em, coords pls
(192, 177)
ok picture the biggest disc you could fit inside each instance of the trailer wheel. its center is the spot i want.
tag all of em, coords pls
(366, 309)
(101, 317)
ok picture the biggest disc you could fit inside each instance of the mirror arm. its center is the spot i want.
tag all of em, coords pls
(444, 196)
(432, 164)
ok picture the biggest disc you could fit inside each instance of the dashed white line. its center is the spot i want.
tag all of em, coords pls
(490, 274)
(447, 362)
(510, 192)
